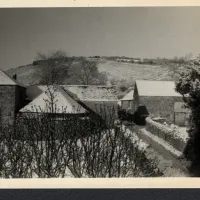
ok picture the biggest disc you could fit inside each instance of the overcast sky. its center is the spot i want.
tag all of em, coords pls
(134, 32)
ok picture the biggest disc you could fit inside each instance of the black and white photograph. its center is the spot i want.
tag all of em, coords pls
(99, 92)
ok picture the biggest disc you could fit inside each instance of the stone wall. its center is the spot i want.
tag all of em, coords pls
(172, 136)
(127, 105)
(103, 107)
(160, 106)
(12, 98)
(107, 110)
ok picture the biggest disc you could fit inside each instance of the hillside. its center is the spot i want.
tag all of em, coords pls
(115, 70)
(133, 71)
(26, 75)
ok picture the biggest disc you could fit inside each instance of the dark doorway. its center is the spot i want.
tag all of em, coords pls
(140, 115)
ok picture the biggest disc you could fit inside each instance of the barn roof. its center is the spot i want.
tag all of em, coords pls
(91, 92)
(5, 79)
(63, 103)
(128, 96)
(156, 88)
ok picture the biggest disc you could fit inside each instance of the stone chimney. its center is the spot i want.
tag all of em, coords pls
(15, 76)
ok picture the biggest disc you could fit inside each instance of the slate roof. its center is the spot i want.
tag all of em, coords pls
(128, 96)
(156, 88)
(62, 101)
(91, 92)
(5, 79)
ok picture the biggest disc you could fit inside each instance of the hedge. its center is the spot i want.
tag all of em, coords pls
(171, 136)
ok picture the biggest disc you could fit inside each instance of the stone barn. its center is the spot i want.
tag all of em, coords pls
(53, 100)
(159, 98)
(101, 100)
(12, 98)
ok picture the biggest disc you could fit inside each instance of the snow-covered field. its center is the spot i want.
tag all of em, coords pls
(133, 71)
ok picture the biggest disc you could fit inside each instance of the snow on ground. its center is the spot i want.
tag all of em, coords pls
(165, 165)
(183, 133)
(135, 139)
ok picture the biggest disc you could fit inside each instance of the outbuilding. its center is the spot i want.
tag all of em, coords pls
(127, 102)
(159, 98)
(78, 99)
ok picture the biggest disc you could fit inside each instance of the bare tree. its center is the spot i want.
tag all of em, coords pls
(16, 156)
(86, 72)
(46, 137)
(53, 68)
(107, 152)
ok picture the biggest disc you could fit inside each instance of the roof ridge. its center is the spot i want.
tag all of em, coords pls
(13, 81)
(63, 85)
(127, 95)
(66, 95)
(63, 94)
(106, 86)
(155, 80)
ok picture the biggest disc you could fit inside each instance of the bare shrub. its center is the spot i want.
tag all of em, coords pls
(58, 144)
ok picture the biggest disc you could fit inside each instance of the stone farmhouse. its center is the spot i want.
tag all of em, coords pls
(71, 99)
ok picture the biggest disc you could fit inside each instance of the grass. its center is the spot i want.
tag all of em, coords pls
(134, 71)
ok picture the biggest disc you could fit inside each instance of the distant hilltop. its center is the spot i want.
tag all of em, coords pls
(154, 61)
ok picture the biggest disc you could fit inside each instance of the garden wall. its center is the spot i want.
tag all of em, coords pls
(12, 98)
(160, 106)
(172, 136)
